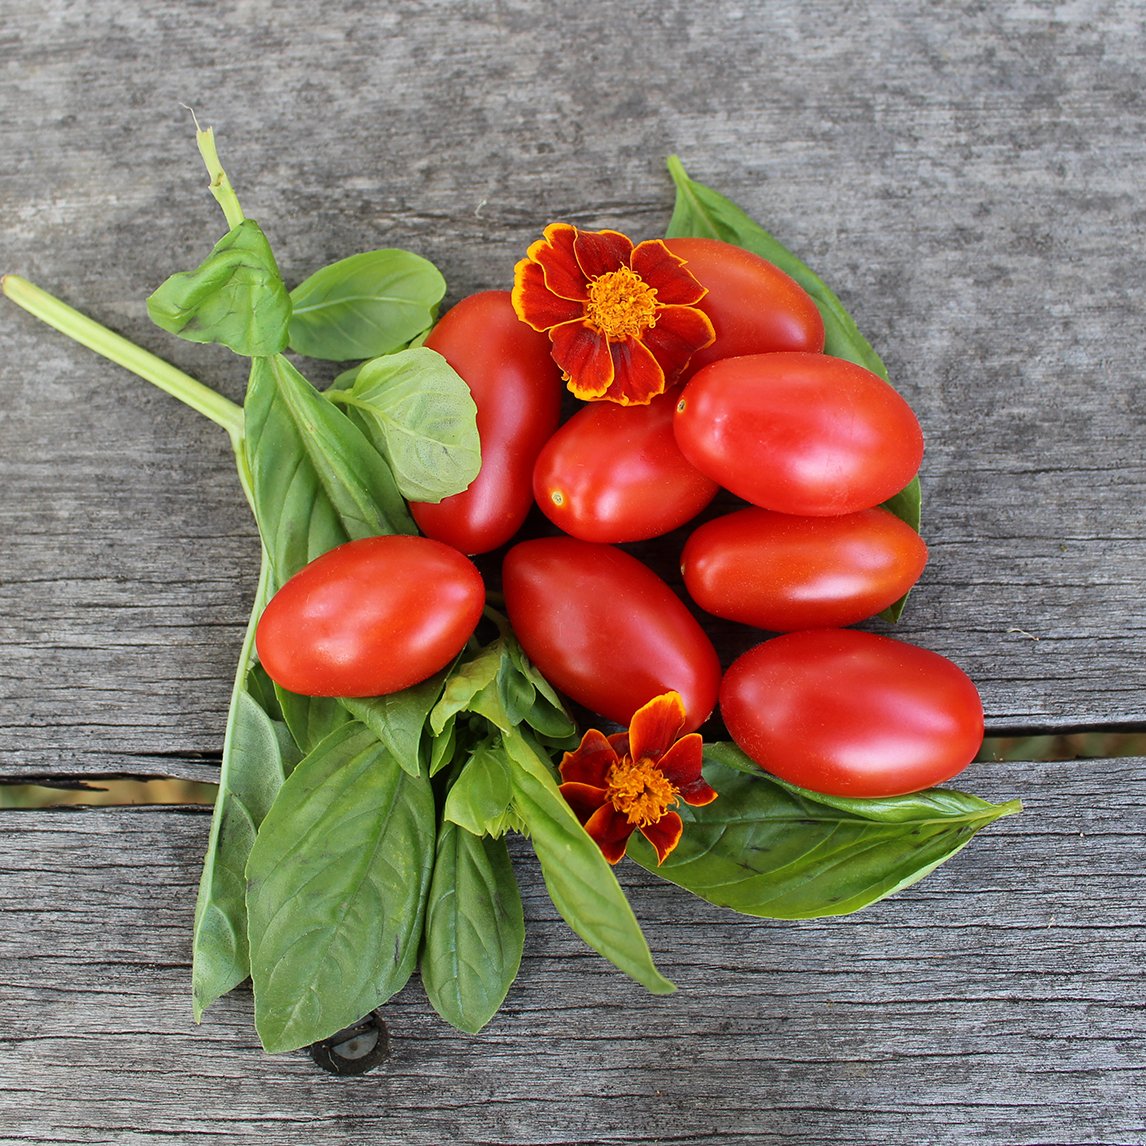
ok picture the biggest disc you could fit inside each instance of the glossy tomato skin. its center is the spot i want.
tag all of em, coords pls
(850, 713)
(517, 389)
(780, 572)
(805, 434)
(370, 617)
(754, 307)
(615, 473)
(605, 630)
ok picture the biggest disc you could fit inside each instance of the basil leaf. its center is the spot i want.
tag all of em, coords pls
(481, 797)
(582, 885)
(421, 417)
(257, 754)
(769, 849)
(398, 720)
(475, 929)
(336, 887)
(364, 306)
(311, 719)
(466, 683)
(235, 297)
(315, 479)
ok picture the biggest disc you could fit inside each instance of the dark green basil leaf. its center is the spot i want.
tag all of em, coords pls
(398, 720)
(336, 888)
(580, 882)
(235, 297)
(421, 417)
(315, 480)
(257, 755)
(364, 306)
(311, 719)
(475, 929)
(770, 849)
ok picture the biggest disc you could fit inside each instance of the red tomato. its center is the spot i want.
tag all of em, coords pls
(849, 713)
(799, 433)
(517, 390)
(754, 306)
(615, 473)
(780, 572)
(370, 617)
(606, 630)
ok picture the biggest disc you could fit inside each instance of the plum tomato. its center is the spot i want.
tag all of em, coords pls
(615, 473)
(850, 713)
(605, 630)
(754, 306)
(799, 433)
(370, 617)
(780, 572)
(517, 389)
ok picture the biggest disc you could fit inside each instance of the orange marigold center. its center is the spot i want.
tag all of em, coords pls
(639, 790)
(621, 304)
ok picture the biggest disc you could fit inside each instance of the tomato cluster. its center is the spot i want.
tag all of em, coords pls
(813, 444)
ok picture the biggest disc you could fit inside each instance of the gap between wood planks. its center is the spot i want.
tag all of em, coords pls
(117, 791)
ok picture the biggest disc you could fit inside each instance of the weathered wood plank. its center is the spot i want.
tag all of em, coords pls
(998, 1001)
(967, 177)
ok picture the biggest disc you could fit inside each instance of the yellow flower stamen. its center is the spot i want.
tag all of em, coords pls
(639, 790)
(621, 304)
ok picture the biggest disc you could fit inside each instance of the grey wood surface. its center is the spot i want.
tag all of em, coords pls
(998, 1001)
(967, 176)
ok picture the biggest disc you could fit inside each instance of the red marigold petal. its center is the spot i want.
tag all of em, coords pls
(610, 831)
(681, 763)
(584, 799)
(667, 274)
(699, 793)
(655, 726)
(664, 835)
(535, 303)
(637, 375)
(599, 252)
(679, 332)
(556, 256)
(584, 358)
(620, 742)
(590, 761)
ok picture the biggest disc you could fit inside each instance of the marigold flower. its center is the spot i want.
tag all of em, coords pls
(622, 318)
(629, 781)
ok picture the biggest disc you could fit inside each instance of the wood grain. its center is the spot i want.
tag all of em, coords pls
(966, 176)
(998, 1001)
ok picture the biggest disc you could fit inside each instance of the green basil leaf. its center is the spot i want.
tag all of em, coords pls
(421, 417)
(582, 885)
(364, 306)
(465, 683)
(257, 755)
(442, 746)
(336, 888)
(475, 929)
(398, 720)
(480, 799)
(769, 849)
(311, 719)
(235, 297)
(316, 481)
